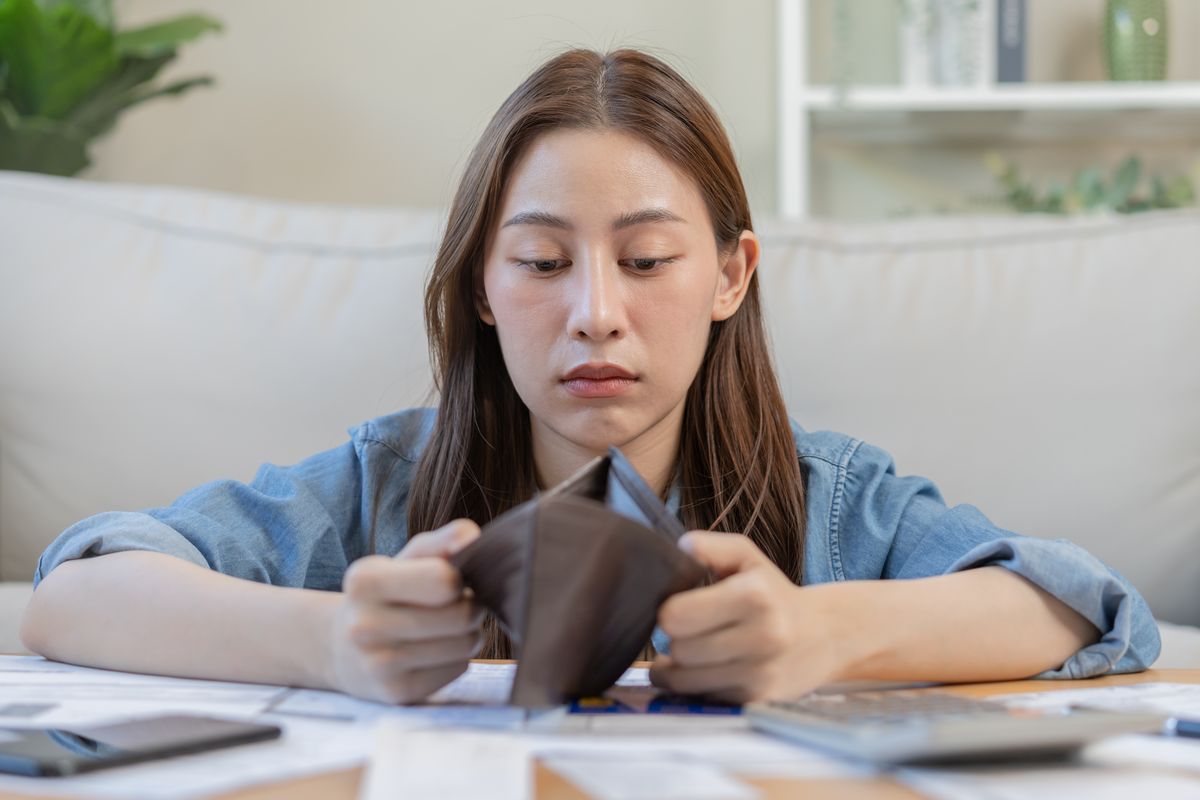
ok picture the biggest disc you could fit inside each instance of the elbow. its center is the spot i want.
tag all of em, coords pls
(47, 613)
(33, 632)
(1145, 639)
(1145, 646)
(1136, 653)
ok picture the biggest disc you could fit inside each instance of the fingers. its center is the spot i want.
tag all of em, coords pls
(406, 626)
(733, 683)
(444, 541)
(418, 574)
(725, 646)
(710, 608)
(375, 625)
(415, 686)
(429, 582)
(407, 657)
(723, 553)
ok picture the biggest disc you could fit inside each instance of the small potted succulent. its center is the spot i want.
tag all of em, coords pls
(1089, 192)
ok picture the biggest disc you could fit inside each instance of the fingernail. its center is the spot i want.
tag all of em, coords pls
(687, 544)
(460, 538)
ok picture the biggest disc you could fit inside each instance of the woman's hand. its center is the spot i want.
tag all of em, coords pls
(405, 627)
(753, 635)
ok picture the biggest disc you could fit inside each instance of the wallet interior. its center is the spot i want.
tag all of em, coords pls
(575, 577)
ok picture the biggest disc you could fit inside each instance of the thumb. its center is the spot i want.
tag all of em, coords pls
(723, 553)
(442, 542)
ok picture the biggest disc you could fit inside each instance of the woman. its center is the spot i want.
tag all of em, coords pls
(595, 285)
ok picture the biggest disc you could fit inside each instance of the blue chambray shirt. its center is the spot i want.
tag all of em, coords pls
(303, 525)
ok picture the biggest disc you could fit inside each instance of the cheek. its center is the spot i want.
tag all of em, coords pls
(526, 316)
(674, 322)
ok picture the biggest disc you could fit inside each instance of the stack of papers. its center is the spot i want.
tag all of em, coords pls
(1118, 768)
(35, 692)
(464, 742)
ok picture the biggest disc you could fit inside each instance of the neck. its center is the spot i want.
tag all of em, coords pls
(652, 452)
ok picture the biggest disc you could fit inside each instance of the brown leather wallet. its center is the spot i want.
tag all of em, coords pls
(575, 577)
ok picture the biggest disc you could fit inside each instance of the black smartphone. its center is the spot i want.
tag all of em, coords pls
(67, 751)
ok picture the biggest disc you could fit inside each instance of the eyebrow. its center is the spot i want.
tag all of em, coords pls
(629, 219)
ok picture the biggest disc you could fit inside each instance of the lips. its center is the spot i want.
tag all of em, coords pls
(598, 372)
(598, 380)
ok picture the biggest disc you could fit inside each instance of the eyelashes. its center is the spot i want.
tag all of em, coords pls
(547, 266)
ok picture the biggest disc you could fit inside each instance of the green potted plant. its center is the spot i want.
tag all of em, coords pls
(1089, 192)
(66, 74)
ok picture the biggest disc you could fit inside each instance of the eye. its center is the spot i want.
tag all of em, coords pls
(647, 264)
(542, 264)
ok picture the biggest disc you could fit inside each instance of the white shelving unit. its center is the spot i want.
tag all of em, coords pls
(1005, 97)
(893, 112)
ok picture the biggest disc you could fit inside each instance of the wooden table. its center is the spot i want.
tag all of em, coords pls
(344, 784)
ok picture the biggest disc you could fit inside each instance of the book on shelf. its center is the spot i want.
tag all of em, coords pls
(1011, 26)
(962, 42)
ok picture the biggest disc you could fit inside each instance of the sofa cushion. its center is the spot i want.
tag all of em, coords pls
(153, 339)
(1046, 370)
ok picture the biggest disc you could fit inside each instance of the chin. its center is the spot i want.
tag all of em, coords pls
(599, 427)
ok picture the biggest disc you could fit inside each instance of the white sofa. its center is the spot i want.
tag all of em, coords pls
(1045, 370)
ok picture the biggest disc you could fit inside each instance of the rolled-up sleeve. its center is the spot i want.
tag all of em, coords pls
(900, 527)
(294, 526)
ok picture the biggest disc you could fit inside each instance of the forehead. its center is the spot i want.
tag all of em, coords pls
(598, 174)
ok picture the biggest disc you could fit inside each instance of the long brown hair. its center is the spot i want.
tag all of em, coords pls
(738, 465)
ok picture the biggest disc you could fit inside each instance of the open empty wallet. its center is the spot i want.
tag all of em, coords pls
(575, 577)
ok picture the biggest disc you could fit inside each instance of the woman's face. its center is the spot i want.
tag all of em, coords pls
(602, 278)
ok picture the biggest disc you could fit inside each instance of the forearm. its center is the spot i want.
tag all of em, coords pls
(976, 625)
(149, 612)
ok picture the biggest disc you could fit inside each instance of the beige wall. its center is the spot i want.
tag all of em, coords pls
(942, 169)
(1064, 40)
(379, 101)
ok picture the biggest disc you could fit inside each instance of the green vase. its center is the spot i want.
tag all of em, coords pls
(1135, 40)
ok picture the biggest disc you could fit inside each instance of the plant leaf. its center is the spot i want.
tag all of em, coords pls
(99, 10)
(1089, 186)
(1180, 192)
(100, 125)
(176, 88)
(95, 114)
(35, 144)
(53, 58)
(163, 37)
(1124, 182)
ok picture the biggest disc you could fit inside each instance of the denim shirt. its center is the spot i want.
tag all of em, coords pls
(302, 526)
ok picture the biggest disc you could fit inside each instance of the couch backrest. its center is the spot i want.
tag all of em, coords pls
(1045, 370)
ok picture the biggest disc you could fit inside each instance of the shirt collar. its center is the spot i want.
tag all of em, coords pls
(674, 495)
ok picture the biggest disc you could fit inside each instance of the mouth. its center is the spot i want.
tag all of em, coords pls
(598, 380)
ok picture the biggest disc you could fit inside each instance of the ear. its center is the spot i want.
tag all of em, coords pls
(736, 271)
(482, 307)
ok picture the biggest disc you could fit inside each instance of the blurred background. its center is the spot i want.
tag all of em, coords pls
(958, 267)
(855, 110)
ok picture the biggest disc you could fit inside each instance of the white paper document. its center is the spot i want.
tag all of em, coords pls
(71, 695)
(306, 748)
(1060, 783)
(1175, 699)
(621, 763)
(1169, 699)
(478, 698)
(648, 776)
(35, 692)
(1119, 767)
(420, 762)
(445, 743)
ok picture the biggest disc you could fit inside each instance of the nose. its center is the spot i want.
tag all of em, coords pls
(597, 307)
